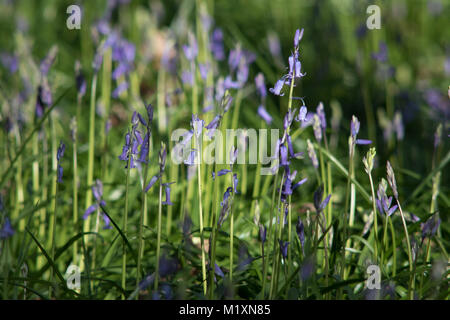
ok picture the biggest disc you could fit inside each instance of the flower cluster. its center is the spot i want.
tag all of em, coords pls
(384, 202)
(295, 67)
(97, 191)
(136, 148)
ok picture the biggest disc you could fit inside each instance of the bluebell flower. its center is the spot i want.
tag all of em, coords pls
(262, 112)
(262, 233)
(9, 61)
(152, 181)
(294, 71)
(204, 69)
(190, 161)
(122, 87)
(318, 203)
(197, 125)
(260, 85)
(167, 266)
(301, 233)
(382, 54)
(217, 47)
(302, 114)
(430, 227)
(167, 191)
(7, 230)
(220, 173)
(97, 191)
(218, 271)
(80, 80)
(48, 61)
(225, 204)
(354, 129)
(283, 248)
(321, 114)
(44, 98)
(191, 50)
(59, 155)
(312, 154)
(291, 148)
(317, 128)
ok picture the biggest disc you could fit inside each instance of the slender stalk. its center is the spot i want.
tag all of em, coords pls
(410, 260)
(270, 237)
(374, 210)
(90, 169)
(200, 213)
(212, 265)
(141, 218)
(52, 226)
(125, 216)
(158, 239)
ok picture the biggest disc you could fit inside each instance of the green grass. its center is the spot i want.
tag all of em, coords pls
(177, 246)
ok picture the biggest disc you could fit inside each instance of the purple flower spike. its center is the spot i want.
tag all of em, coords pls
(430, 227)
(301, 233)
(59, 155)
(298, 36)
(262, 112)
(80, 80)
(321, 113)
(97, 191)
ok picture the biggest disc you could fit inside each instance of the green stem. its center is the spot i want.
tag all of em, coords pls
(125, 217)
(90, 169)
(158, 239)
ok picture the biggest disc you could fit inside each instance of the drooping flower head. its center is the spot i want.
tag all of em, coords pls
(59, 155)
(283, 248)
(301, 233)
(97, 192)
(320, 204)
(383, 202)
(295, 66)
(354, 129)
(430, 227)
(6, 231)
